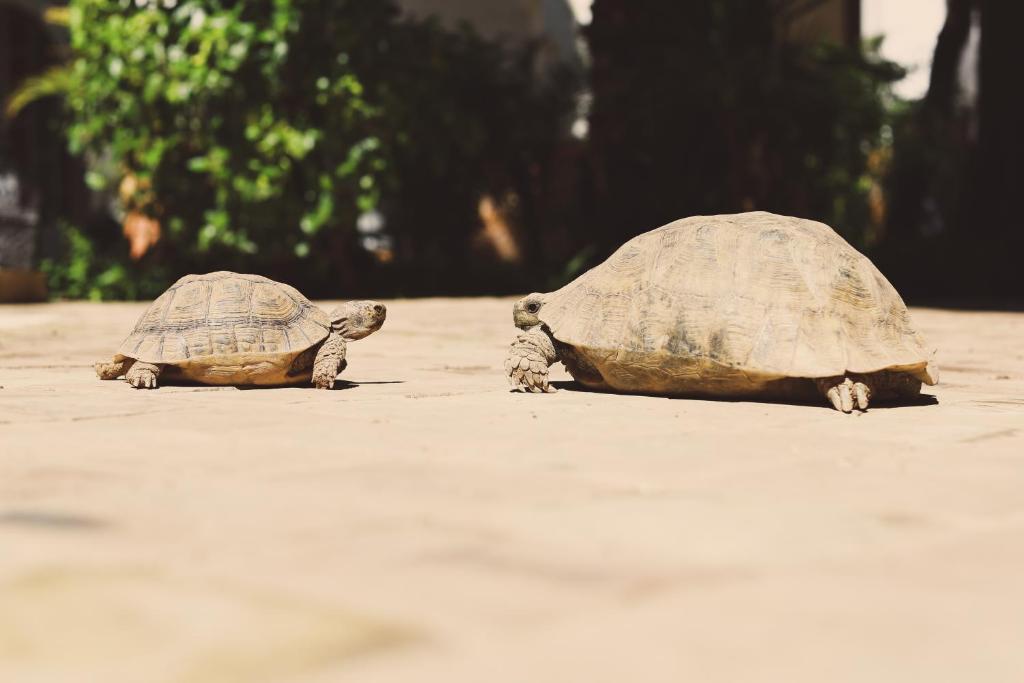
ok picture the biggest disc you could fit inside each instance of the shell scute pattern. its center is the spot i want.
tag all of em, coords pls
(223, 314)
(748, 294)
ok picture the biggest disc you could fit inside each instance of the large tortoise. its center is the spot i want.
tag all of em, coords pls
(745, 305)
(229, 328)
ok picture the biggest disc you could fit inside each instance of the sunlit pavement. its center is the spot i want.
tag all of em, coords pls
(420, 523)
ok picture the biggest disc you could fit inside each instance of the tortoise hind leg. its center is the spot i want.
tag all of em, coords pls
(143, 375)
(844, 394)
(855, 391)
(113, 369)
(890, 385)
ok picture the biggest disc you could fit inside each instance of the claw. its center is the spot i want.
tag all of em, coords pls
(862, 394)
(541, 381)
(846, 397)
(840, 398)
(833, 398)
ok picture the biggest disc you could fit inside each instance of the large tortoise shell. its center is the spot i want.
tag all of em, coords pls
(751, 296)
(222, 314)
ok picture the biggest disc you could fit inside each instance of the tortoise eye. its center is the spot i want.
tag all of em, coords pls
(533, 308)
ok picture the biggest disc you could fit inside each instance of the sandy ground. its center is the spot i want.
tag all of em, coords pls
(420, 523)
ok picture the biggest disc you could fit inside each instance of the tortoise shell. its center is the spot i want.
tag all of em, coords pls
(227, 324)
(729, 304)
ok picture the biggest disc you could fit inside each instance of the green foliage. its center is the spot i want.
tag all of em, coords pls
(253, 134)
(736, 115)
(464, 118)
(96, 270)
(256, 133)
(54, 81)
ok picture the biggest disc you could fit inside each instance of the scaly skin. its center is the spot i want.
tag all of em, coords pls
(529, 357)
(113, 369)
(329, 361)
(143, 375)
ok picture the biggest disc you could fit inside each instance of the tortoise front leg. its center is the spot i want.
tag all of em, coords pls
(528, 360)
(113, 369)
(330, 360)
(143, 375)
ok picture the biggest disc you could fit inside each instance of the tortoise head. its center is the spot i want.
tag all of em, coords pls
(526, 312)
(357, 319)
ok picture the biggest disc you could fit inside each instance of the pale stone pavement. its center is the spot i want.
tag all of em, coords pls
(421, 523)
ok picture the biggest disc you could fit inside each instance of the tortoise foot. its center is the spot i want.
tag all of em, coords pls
(323, 380)
(845, 394)
(526, 365)
(142, 375)
(528, 376)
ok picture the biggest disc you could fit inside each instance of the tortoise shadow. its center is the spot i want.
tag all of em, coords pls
(339, 385)
(50, 520)
(916, 401)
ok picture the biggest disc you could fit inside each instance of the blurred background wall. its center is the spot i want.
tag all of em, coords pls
(425, 146)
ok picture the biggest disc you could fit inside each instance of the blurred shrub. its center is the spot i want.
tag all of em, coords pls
(256, 133)
(244, 135)
(96, 269)
(712, 107)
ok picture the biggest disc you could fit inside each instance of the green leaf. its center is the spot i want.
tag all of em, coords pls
(95, 180)
(55, 81)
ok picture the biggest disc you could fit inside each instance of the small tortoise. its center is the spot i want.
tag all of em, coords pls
(228, 328)
(746, 305)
